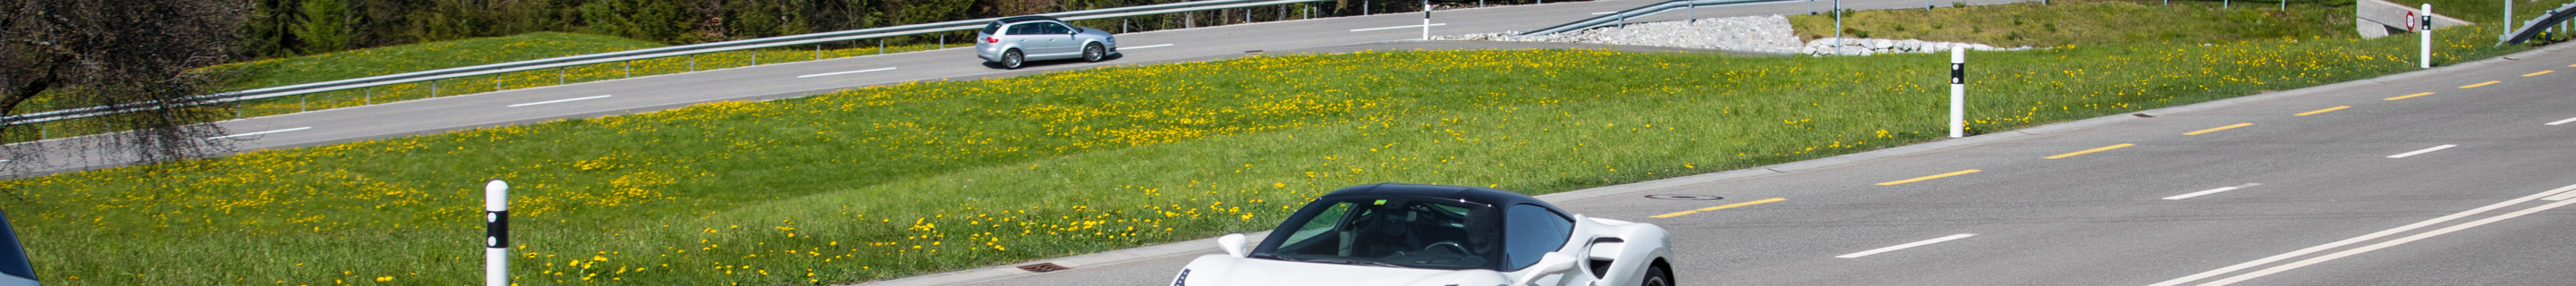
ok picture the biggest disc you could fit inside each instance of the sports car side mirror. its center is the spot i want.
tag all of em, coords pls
(1551, 263)
(1232, 243)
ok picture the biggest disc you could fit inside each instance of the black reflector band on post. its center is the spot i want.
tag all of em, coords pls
(1958, 73)
(496, 229)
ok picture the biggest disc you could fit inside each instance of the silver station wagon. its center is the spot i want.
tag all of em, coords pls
(1012, 42)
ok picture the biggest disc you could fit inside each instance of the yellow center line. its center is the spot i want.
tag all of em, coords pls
(2572, 65)
(1961, 172)
(2220, 128)
(2104, 148)
(2410, 96)
(2538, 73)
(2322, 110)
(2480, 84)
(1727, 206)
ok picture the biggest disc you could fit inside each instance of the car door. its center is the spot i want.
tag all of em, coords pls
(1530, 231)
(1058, 39)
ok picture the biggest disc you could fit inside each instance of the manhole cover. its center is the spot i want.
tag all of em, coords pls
(1044, 267)
(1684, 197)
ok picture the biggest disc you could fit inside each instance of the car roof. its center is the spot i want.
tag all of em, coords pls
(1471, 194)
(1026, 19)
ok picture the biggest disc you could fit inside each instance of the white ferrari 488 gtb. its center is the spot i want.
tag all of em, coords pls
(1433, 235)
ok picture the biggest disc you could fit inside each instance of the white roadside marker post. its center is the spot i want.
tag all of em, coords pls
(496, 233)
(1426, 20)
(2428, 36)
(1958, 90)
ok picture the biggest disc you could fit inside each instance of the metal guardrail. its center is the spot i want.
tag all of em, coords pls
(610, 57)
(1623, 15)
(2539, 24)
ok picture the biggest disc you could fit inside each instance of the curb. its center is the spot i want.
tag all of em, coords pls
(1207, 245)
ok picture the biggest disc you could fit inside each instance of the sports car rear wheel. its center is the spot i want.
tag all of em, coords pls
(1657, 276)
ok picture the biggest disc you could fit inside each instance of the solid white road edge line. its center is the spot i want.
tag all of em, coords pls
(2562, 121)
(2563, 193)
(1397, 27)
(1145, 47)
(2420, 152)
(258, 133)
(843, 73)
(2386, 244)
(2212, 191)
(2359, 239)
(558, 101)
(1908, 245)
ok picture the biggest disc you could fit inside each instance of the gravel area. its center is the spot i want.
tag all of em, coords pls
(1755, 34)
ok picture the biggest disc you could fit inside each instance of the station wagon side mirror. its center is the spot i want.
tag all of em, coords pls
(1550, 263)
(1232, 243)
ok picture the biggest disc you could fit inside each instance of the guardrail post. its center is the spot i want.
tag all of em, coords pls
(1189, 20)
(496, 233)
(496, 82)
(369, 96)
(629, 66)
(302, 102)
(818, 52)
(755, 57)
(693, 62)
(880, 46)
(433, 90)
(560, 74)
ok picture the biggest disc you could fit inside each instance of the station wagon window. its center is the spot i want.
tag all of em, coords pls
(1530, 231)
(1025, 29)
(993, 29)
(1055, 29)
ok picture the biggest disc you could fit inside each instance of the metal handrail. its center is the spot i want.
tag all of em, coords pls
(2539, 24)
(1642, 11)
(608, 57)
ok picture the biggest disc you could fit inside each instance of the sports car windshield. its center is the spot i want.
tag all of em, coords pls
(1407, 232)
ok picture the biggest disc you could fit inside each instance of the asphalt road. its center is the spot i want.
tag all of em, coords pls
(2362, 183)
(644, 94)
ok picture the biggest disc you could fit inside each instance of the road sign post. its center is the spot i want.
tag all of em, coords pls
(1958, 91)
(496, 233)
(2427, 20)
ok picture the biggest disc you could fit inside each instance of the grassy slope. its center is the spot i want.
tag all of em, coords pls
(892, 181)
(2487, 11)
(2090, 23)
(457, 53)
(421, 57)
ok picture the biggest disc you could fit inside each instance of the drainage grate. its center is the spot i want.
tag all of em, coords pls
(1044, 267)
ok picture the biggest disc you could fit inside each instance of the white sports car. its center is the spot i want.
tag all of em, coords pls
(1432, 235)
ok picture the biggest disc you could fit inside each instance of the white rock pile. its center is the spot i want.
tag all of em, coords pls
(1863, 47)
(1761, 34)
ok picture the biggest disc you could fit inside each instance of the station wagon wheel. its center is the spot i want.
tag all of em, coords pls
(1093, 53)
(1012, 60)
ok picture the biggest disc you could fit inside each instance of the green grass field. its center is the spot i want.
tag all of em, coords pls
(892, 181)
